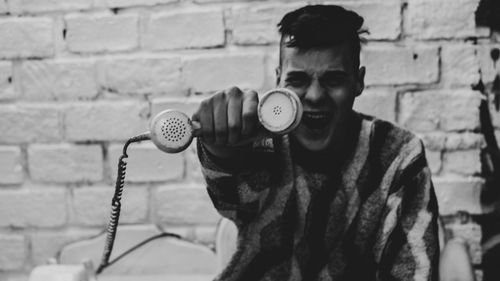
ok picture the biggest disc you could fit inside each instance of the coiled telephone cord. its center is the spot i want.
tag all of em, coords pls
(116, 203)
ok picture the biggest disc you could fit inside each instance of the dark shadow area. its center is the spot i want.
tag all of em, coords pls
(487, 14)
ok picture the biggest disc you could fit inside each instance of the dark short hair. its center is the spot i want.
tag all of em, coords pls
(321, 26)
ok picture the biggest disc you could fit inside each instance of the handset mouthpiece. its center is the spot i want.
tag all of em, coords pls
(279, 112)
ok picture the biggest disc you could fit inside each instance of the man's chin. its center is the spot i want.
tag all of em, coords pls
(313, 142)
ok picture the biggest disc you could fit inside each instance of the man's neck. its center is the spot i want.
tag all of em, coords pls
(337, 152)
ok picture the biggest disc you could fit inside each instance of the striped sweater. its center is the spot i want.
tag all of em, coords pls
(369, 214)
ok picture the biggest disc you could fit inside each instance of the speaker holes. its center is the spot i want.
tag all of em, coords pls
(174, 129)
(277, 110)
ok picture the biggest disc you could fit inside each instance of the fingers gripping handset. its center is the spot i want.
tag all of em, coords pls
(228, 119)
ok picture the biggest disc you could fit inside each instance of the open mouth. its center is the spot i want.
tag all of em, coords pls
(316, 119)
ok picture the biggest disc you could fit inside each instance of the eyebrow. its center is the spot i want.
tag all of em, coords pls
(336, 72)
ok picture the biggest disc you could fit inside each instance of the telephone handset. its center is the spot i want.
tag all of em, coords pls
(279, 112)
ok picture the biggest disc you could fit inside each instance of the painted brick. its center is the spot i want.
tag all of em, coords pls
(456, 194)
(222, 1)
(382, 18)
(184, 30)
(26, 38)
(423, 111)
(464, 162)
(434, 161)
(22, 123)
(460, 65)
(272, 62)
(34, 6)
(242, 70)
(433, 140)
(258, 24)
(387, 65)
(141, 76)
(3, 7)
(462, 141)
(472, 234)
(186, 105)
(33, 207)
(92, 205)
(429, 19)
(183, 204)
(14, 251)
(11, 168)
(130, 3)
(101, 32)
(488, 70)
(147, 163)
(379, 103)
(14, 276)
(7, 91)
(63, 163)
(46, 245)
(58, 80)
(108, 120)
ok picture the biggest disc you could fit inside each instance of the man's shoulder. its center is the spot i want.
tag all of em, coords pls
(388, 140)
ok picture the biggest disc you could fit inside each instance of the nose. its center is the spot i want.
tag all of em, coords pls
(315, 93)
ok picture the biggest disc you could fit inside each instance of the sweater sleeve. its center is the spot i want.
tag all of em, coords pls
(411, 251)
(238, 188)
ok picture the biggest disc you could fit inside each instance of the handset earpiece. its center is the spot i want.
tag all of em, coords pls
(279, 112)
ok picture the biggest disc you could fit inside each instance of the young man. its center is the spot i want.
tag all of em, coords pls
(344, 196)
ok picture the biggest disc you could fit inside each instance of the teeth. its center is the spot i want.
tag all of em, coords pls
(316, 115)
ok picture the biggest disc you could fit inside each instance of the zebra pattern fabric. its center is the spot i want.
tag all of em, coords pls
(369, 213)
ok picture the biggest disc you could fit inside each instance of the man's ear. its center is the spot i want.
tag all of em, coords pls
(278, 75)
(360, 83)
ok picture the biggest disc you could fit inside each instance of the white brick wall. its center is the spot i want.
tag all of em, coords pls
(464, 162)
(387, 65)
(34, 206)
(92, 205)
(431, 19)
(460, 65)
(142, 76)
(11, 166)
(185, 30)
(102, 32)
(458, 194)
(34, 6)
(14, 252)
(46, 244)
(130, 3)
(65, 163)
(6, 77)
(58, 80)
(183, 204)
(22, 123)
(380, 103)
(220, 71)
(423, 111)
(3, 7)
(145, 164)
(26, 37)
(106, 120)
(78, 78)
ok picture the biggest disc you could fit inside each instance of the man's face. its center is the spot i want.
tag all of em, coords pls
(327, 83)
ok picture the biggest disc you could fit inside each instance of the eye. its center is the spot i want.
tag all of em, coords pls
(333, 80)
(297, 81)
